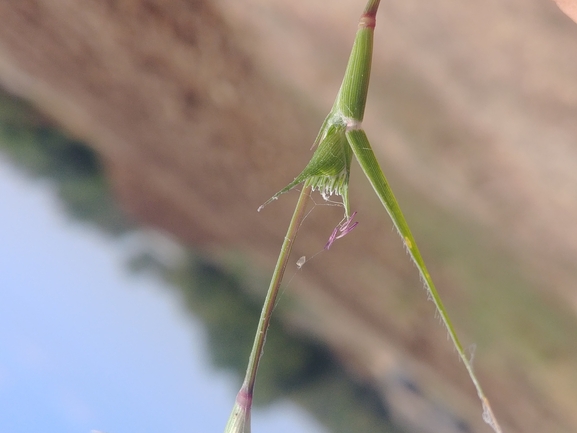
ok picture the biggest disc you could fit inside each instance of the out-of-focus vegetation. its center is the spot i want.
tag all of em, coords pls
(74, 169)
(294, 365)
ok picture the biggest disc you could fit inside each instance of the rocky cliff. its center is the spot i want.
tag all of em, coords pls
(203, 110)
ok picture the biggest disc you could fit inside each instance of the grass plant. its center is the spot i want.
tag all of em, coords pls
(341, 136)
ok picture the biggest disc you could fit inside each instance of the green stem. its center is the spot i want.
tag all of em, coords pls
(371, 7)
(273, 290)
(239, 420)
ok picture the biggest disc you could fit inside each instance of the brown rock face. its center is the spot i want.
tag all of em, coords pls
(202, 111)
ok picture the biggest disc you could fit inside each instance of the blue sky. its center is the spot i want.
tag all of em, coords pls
(85, 345)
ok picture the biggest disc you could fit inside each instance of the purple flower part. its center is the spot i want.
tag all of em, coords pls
(342, 230)
(332, 238)
(346, 230)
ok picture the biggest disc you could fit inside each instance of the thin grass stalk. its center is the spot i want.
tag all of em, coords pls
(239, 420)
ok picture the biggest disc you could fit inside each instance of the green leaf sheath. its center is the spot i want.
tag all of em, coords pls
(352, 95)
(329, 168)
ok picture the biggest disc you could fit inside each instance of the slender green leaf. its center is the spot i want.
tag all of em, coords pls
(370, 166)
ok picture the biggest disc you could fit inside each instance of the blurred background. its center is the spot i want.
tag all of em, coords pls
(138, 138)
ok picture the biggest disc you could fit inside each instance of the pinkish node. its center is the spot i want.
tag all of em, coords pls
(368, 21)
(244, 399)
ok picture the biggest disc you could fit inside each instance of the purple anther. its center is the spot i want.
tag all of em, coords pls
(342, 230)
